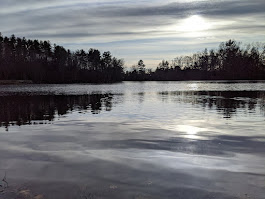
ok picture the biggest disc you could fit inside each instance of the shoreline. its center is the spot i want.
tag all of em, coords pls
(19, 82)
(11, 82)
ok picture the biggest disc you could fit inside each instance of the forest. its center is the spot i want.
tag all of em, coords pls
(42, 62)
(229, 62)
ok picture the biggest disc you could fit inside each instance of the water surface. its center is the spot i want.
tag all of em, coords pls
(134, 140)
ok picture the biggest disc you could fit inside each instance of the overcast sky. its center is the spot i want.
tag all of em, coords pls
(151, 30)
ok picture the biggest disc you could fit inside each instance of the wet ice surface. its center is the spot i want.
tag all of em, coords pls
(134, 140)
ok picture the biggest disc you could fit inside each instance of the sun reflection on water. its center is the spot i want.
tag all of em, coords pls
(193, 86)
(187, 131)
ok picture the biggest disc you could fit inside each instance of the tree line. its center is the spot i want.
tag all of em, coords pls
(42, 62)
(229, 62)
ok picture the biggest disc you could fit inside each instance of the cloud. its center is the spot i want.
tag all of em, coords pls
(126, 24)
(210, 8)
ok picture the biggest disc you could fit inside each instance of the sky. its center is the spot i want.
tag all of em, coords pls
(150, 30)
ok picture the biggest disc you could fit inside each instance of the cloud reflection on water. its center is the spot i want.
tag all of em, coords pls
(147, 143)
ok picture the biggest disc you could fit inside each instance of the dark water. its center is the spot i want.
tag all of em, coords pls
(133, 140)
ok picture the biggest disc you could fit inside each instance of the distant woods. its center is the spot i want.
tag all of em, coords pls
(229, 62)
(42, 62)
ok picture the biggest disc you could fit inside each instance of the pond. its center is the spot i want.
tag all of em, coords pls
(195, 139)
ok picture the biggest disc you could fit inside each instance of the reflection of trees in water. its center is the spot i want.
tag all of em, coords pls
(262, 103)
(20, 110)
(225, 102)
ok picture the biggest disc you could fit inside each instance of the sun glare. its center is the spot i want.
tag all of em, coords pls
(193, 86)
(187, 131)
(194, 23)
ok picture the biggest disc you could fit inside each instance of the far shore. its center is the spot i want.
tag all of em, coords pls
(7, 82)
(19, 82)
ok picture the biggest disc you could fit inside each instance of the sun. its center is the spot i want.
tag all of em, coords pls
(194, 23)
